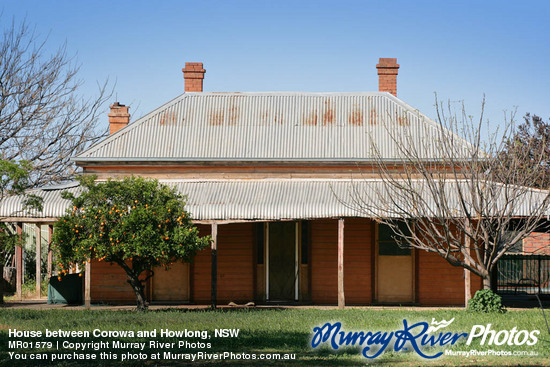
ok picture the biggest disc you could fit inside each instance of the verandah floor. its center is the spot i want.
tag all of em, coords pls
(41, 304)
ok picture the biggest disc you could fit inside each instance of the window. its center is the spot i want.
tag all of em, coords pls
(387, 244)
(260, 243)
(304, 242)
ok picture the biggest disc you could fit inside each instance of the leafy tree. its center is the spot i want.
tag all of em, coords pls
(135, 223)
(530, 146)
(14, 179)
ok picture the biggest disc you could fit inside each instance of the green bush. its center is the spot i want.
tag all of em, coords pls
(485, 300)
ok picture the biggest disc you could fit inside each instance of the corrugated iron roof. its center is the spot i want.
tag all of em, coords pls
(53, 205)
(279, 199)
(272, 127)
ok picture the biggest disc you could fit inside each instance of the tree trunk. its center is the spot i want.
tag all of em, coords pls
(487, 281)
(1, 284)
(136, 284)
(139, 290)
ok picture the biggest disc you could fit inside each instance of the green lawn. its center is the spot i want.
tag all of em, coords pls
(280, 331)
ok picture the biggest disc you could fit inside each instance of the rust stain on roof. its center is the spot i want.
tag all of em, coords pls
(311, 119)
(168, 118)
(356, 117)
(403, 120)
(216, 117)
(279, 118)
(372, 119)
(264, 116)
(328, 116)
(234, 113)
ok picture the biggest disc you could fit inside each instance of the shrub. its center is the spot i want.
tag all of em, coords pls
(486, 300)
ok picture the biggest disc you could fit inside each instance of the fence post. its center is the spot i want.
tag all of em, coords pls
(540, 276)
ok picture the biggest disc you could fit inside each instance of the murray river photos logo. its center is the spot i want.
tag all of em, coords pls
(418, 337)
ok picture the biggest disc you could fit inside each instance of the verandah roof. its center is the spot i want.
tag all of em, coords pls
(273, 199)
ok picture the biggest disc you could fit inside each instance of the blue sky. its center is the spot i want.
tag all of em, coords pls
(459, 49)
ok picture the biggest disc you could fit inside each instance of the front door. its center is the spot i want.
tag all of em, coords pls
(282, 250)
(171, 285)
(394, 269)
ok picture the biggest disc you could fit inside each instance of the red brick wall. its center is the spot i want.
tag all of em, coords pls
(201, 271)
(440, 283)
(235, 270)
(357, 261)
(324, 265)
(537, 243)
(236, 262)
(235, 265)
(108, 284)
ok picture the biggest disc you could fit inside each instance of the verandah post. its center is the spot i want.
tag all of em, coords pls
(341, 296)
(88, 284)
(50, 230)
(19, 263)
(38, 232)
(214, 277)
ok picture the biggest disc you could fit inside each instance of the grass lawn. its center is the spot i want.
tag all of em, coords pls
(274, 330)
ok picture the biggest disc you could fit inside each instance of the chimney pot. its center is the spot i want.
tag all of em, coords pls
(118, 117)
(193, 74)
(387, 75)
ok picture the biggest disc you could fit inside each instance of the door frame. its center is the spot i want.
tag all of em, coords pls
(296, 261)
(377, 268)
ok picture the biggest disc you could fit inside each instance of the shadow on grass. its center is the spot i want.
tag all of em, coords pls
(525, 301)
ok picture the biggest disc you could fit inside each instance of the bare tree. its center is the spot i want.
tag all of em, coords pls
(44, 119)
(453, 191)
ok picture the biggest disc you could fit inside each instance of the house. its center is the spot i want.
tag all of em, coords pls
(537, 243)
(269, 175)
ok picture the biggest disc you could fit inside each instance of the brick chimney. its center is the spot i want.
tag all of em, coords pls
(118, 117)
(387, 75)
(193, 75)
